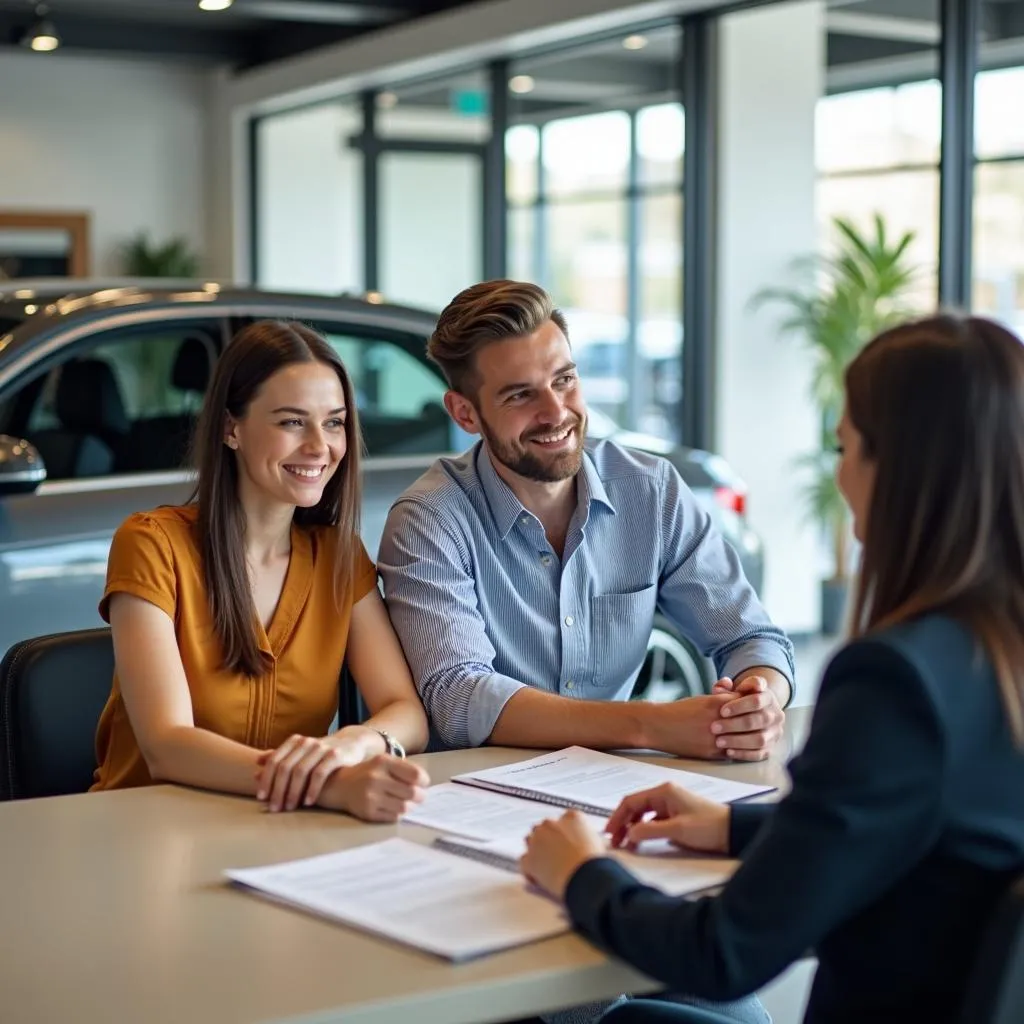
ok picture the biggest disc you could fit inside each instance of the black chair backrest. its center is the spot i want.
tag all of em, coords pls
(52, 690)
(995, 992)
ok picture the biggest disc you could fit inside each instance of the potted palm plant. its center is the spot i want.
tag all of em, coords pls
(858, 290)
(142, 258)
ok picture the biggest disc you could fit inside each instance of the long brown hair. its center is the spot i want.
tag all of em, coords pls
(939, 405)
(255, 354)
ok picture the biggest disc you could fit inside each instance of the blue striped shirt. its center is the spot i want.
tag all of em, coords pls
(484, 606)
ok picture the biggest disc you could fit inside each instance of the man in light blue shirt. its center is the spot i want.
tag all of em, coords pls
(523, 576)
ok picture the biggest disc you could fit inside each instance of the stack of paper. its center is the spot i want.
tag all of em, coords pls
(659, 864)
(402, 890)
(591, 781)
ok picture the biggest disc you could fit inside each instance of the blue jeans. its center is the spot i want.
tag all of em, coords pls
(667, 1007)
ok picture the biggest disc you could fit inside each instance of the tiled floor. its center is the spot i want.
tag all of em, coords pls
(786, 997)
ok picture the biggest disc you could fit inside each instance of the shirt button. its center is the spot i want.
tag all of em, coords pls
(545, 559)
(569, 620)
(569, 684)
(524, 519)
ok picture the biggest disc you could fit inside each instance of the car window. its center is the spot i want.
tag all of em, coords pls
(125, 401)
(400, 397)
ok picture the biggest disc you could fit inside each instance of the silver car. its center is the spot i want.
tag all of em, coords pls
(100, 386)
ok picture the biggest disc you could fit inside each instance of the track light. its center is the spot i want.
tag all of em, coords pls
(215, 5)
(521, 84)
(42, 36)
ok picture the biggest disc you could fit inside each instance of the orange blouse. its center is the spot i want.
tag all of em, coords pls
(155, 556)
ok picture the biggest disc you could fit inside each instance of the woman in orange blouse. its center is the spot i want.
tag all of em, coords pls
(231, 615)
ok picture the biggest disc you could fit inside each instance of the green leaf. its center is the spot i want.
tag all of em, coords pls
(848, 297)
(172, 259)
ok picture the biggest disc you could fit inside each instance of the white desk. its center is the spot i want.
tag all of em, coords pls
(112, 909)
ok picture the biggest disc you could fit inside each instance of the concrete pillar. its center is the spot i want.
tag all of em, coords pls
(772, 63)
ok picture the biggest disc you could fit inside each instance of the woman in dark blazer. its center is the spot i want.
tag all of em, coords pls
(905, 822)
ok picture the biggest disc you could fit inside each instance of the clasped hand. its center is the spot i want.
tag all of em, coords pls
(557, 848)
(339, 772)
(740, 720)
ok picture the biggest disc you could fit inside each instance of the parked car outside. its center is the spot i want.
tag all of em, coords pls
(100, 386)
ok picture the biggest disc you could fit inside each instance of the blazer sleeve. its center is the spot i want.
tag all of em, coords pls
(864, 807)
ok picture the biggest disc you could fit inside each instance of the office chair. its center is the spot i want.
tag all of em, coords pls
(52, 690)
(995, 991)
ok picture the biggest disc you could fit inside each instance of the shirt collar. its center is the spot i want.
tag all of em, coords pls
(506, 508)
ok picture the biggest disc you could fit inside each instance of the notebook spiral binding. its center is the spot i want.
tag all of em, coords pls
(495, 860)
(544, 798)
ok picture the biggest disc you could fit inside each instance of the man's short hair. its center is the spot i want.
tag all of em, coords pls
(481, 315)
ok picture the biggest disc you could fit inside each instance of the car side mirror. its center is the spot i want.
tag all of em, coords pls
(21, 466)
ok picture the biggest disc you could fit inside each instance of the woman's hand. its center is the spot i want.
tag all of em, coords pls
(383, 788)
(356, 743)
(556, 849)
(671, 812)
(296, 772)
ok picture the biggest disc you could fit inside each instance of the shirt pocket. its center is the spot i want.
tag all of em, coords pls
(621, 628)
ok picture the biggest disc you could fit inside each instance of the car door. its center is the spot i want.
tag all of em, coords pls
(111, 415)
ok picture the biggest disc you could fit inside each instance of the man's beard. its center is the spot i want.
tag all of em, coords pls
(516, 456)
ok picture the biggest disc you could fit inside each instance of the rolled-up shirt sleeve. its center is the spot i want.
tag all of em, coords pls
(431, 596)
(704, 591)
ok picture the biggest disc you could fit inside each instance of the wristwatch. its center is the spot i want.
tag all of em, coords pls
(394, 748)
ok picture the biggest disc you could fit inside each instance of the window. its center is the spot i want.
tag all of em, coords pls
(594, 167)
(125, 402)
(400, 397)
(999, 196)
(878, 153)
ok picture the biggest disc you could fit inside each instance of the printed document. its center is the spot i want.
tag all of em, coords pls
(658, 863)
(402, 890)
(481, 814)
(595, 782)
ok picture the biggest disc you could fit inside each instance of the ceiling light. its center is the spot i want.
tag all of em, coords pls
(634, 42)
(42, 36)
(521, 83)
(215, 5)
(387, 100)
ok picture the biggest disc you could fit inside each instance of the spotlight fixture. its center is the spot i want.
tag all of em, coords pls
(387, 100)
(634, 42)
(42, 36)
(215, 5)
(521, 84)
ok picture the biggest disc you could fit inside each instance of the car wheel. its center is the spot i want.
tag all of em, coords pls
(673, 667)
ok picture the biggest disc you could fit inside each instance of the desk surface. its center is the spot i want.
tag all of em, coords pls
(112, 908)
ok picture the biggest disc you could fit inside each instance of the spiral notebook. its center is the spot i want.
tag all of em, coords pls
(657, 863)
(595, 782)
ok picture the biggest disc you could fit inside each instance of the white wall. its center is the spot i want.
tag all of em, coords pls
(772, 66)
(122, 140)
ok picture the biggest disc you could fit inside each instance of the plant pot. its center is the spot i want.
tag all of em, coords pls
(834, 594)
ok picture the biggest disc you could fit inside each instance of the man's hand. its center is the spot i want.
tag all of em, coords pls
(740, 721)
(751, 722)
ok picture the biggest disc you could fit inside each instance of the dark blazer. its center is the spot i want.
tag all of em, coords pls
(904, 825)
